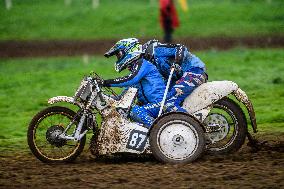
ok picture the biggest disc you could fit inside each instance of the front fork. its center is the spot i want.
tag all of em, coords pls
(86, 122)
(86, 119)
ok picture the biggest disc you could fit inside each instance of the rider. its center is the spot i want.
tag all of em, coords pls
(190, 71)
(143, 75)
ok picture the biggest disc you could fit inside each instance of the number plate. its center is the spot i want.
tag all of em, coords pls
(137, 140)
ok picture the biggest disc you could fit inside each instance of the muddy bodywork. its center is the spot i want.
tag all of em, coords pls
(67, 99)
(127, 99)
(242, 97)
(120, 135)
(199, 103)
(117, 133)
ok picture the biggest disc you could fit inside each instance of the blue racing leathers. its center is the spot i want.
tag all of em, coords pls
(183, 87)
(189, 75)
(149, 82)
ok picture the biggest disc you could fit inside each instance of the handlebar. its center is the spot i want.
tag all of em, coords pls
(97, 78)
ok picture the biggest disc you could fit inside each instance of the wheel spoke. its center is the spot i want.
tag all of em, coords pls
(62, 151)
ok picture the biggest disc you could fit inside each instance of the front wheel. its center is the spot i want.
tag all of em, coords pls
(43, 133)
(177, 138)
(226, 127)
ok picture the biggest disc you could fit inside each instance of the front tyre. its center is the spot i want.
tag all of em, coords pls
(177, 138)
(43, 133)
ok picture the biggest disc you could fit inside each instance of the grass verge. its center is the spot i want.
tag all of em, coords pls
(39, 20)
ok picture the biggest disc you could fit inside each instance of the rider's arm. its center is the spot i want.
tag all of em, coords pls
(134, 77)
(171, 50)
(165, 50)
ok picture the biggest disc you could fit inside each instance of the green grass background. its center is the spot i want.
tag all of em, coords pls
(49, 19)
(26, 84)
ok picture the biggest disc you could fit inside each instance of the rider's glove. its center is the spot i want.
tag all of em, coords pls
(177, 68)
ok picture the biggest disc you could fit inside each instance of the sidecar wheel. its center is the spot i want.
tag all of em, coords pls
(177, 138)
(42, 133)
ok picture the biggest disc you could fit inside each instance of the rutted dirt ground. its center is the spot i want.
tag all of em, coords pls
(244, 169)
(98, 47)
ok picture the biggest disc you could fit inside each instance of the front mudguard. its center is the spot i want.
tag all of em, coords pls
(67, 99)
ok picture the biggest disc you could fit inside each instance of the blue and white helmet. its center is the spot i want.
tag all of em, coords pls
(127, 51)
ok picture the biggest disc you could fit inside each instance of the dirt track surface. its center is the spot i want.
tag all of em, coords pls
(244, 169)
(99, 47)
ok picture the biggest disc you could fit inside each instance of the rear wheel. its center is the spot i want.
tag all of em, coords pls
(177, 138)
(43, 133)
(226, 127)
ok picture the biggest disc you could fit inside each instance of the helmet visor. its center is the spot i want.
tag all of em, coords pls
(119, 55)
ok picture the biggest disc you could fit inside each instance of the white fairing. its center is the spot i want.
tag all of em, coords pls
(126, 101)
(206, 94)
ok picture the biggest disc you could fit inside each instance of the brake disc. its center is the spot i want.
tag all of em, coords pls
(52, 136)
(217, 127)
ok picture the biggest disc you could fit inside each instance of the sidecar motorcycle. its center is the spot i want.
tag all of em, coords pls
(214, 122)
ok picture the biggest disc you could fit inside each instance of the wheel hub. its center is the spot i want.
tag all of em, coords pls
(217, 127)
(178, 139)
(52, 136)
